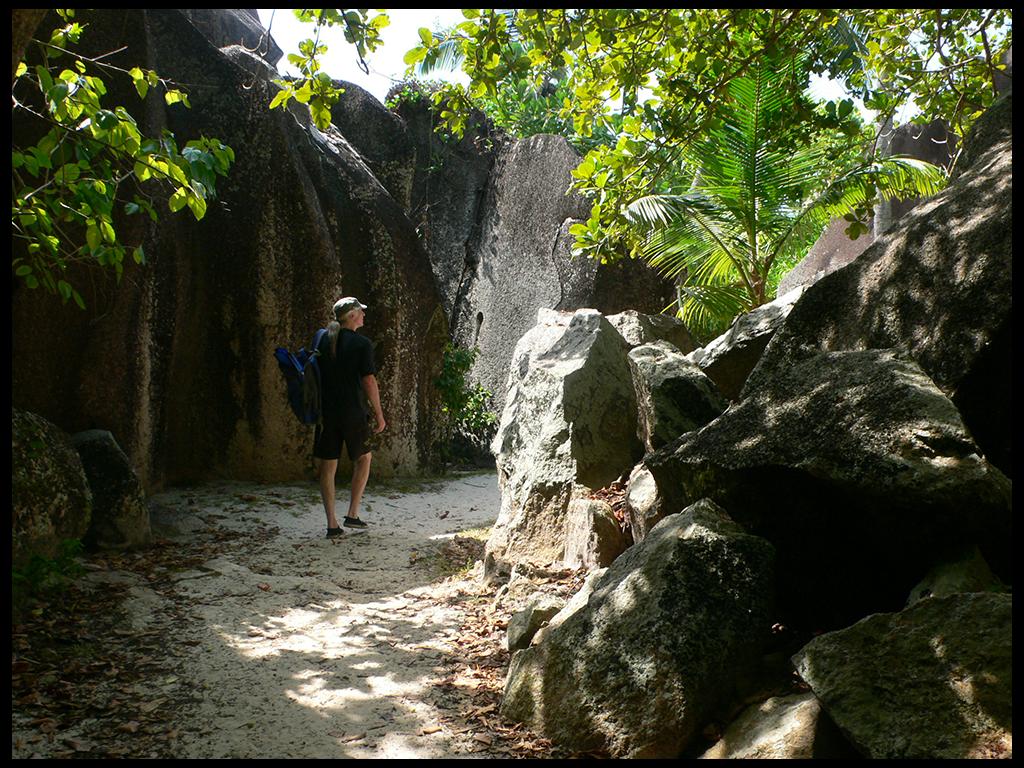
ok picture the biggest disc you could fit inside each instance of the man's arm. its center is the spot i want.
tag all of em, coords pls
(373, 395)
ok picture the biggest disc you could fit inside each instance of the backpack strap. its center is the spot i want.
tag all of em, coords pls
(315, 348)
(313, 376)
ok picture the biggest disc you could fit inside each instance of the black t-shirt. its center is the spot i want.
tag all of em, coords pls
(342, 376)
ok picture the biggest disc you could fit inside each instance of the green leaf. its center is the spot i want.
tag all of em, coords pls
(197, 205)
(176, 172)
(106, 119)
(281, 99)
(67, 173)
(304, 93)
(141, 86)
(174, 96)
(45, 79)
(178, 200)
(96, 84)
(57, 93)
(415, 55)
(321, 114)
(92, 235)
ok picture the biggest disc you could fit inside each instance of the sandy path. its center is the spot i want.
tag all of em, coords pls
(288, 644)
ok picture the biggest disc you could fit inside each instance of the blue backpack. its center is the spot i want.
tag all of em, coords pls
(302, 376)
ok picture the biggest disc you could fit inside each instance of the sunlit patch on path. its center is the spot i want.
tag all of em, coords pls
(309, 647)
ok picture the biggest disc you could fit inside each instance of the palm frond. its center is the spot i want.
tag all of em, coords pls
(850, 37)
(896, 177)
(757, 202)
(708, 309)
(447, 56)
(685, 231)
(901, 177)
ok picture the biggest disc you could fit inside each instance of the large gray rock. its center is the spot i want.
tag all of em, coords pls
(729, 359)
(449, 189)
(578, 602)
(516, 269)
(120, 517)
(658, 647)
(831, 251)
(250, 62)
(1004, 79)
(50, 496)
(380, 137)
(673, 395)
(235, 26)
(859, 470)
(931, 682)
(934, 143)
(524, 624)
(781, 728)
(969, 573)
(988, 142)
(938, 285)
(631, 284)
(495, 214)
(593, 538)
(568, 428)
(191, 388)
(644, 505)
(637, 328)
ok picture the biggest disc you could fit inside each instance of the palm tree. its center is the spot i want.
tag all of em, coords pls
(448, 55)
(756, 203)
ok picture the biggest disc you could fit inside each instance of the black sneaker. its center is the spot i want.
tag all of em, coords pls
(333, 533)
(354, 522)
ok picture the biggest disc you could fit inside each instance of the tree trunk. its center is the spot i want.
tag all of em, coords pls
(24, 22)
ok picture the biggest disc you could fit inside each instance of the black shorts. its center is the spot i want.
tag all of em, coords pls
(329, 437)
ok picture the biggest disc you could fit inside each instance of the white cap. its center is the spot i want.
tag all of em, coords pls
(347, 304)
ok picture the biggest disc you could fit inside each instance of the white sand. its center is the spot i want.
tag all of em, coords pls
(309, 647)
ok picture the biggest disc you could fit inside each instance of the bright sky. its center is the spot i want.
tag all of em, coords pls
(342, 61)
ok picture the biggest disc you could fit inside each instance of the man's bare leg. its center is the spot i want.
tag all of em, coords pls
(327, 469)
(360, 474)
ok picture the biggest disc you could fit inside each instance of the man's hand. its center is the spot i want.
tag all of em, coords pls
(373, 395)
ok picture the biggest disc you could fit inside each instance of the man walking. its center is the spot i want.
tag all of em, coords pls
(348, 380)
